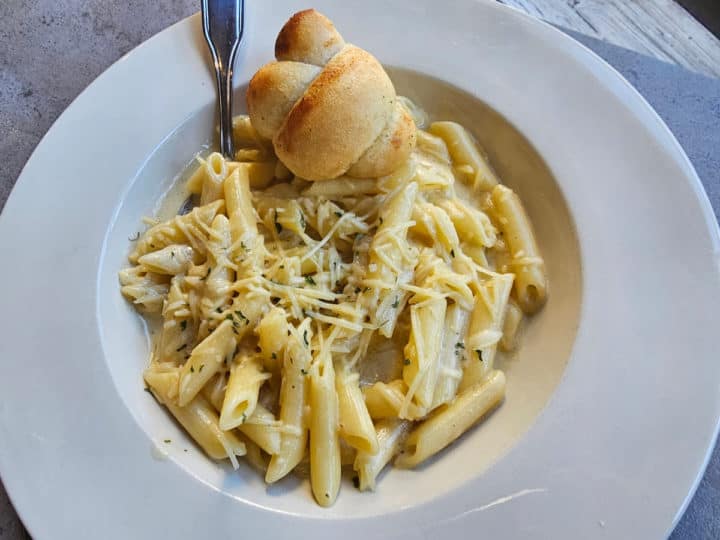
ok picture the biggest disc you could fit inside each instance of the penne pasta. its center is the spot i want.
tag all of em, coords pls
(511, 327)
(263, 430)
(485, 329)
(215, 170)
(201, 421)
(170, 260)
(197, 417)
(390, 256)
(452, 351)
(527, 264)
(189, 229)
(390, 434)
(448, 423)
(350, 322)
(296, 363)
(260, 428)
(386, 400)
(324, 444)
(214, 352)
(356, 426)
(241, 393)
(422, 352)
(466, 154)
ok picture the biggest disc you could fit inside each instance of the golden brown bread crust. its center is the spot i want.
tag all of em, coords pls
(391, 148)
(341, 117)
(310, 37)
(273, 91)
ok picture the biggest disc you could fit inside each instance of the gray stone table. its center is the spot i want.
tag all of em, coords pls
(50, 50)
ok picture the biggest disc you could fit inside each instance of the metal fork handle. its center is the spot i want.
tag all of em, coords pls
(223, 29)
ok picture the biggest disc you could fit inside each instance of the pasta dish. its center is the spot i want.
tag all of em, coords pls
(321, 313)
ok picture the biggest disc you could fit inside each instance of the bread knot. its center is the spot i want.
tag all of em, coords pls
(328, 106)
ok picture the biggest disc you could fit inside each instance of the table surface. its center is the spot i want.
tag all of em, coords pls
(50, 50)
(659, 28)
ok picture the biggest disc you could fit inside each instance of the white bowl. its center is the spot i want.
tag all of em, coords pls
(612, 401)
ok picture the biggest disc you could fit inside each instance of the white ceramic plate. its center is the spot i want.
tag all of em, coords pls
(612, 403)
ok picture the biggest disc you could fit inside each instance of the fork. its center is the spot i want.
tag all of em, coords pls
(223, 29)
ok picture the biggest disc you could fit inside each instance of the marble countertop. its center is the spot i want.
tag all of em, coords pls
(51, 50)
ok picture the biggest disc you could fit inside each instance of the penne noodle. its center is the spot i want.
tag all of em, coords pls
(356, 426)
(485, 329)
(241, 393)
(386, 401)
(313, 326)
(511, 327)
(452, 351)
(422, 352)
(325, 467)
(214, 352)
(296, 365)
(391, 433)
(466, 154)
(215, 170)
(448, 423)
(527, 264)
